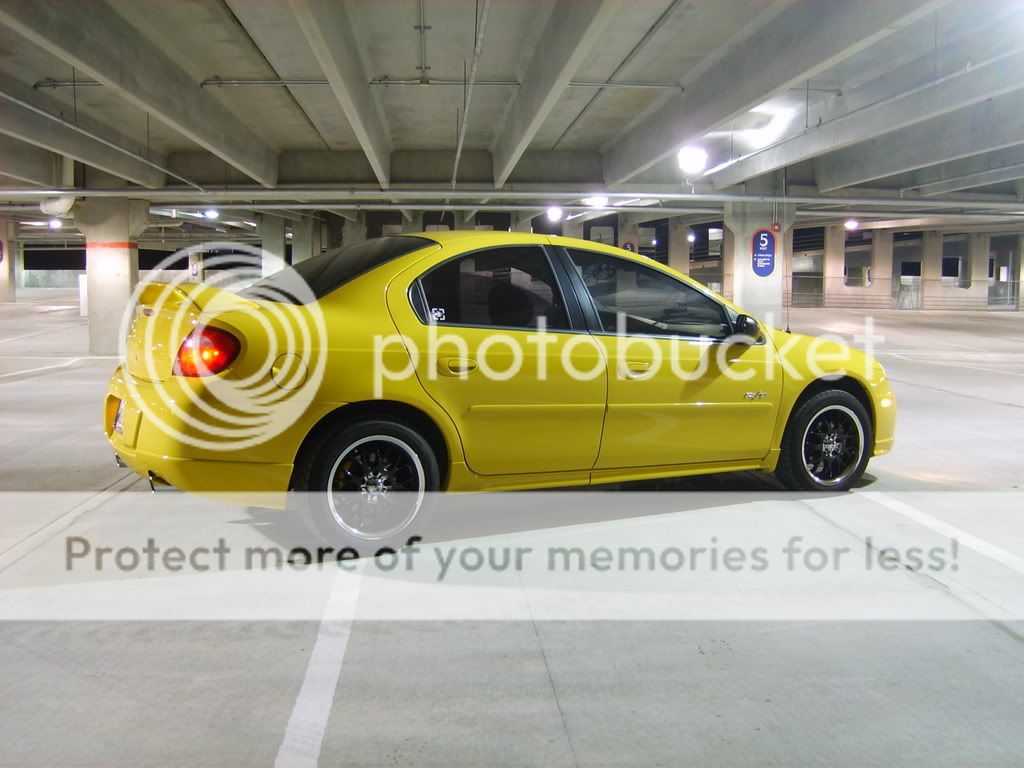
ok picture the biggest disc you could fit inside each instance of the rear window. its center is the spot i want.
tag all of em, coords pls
(332, 269)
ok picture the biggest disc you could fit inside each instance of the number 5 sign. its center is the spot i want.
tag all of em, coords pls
(764, 253)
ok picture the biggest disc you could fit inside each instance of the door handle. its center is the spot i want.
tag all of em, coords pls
(456, 366)
(637, 368)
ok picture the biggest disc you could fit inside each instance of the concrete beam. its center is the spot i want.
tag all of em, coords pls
(994, 124)
(28, 163)
(572, 30)
(328, 31)
(20, 122)
(804, 39)
(138, 71)
(990, 168)
(872, 115)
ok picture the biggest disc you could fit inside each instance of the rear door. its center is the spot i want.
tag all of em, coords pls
(499, 348)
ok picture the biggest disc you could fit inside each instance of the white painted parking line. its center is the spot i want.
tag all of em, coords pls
(982, 547)
(304, 734)
(65, 364)
(36, 539)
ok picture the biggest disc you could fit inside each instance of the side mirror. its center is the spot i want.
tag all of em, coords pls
(746, 329)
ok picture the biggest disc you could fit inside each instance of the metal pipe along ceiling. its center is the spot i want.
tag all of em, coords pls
(245, 194)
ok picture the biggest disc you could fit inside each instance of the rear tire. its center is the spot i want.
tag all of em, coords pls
(827, 443)
(368, 487)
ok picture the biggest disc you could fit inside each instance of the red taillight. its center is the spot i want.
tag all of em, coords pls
(205, 352)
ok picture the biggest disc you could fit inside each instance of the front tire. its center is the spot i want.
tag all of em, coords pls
(827, 443)
(369, 486)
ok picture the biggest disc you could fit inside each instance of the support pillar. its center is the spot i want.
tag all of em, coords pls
(834, 266)
(679, 245)
(573, 228)
(931, 268)
(415, 224)
(881, 261)
(761, 296)
(333, 227)
(272, 242)
(522, 223)
(8, 259)
(302, 240)
(196, 272)
(629, 232)
(110, 226)
(354, 231)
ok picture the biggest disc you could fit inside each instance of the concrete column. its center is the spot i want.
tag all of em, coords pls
(931, 268)
(834, 268)
(573, 228)
(302, 239)
(19, 264)
(415, 224)
(354, 231)
(333, 228)
(629, 232)
(9, 250)
(728, 243)
(110, 226)
(679, 245)
(881, 263)
(272, 241)
(196, 272)
(522, 223)
(762, 297)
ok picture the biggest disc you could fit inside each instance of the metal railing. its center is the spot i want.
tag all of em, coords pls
(904, 293)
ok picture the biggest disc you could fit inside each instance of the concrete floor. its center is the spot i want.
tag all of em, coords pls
(849, 664)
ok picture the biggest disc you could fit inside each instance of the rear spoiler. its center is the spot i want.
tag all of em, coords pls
(207, 298)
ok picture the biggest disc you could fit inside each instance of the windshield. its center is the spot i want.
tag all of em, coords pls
(332, 269)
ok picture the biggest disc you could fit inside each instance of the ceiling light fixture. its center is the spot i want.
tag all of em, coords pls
(851, 224)
(211, 213)
(691, 237)
(554, 213)
(55, 223)
(598, 201)
(692, 160)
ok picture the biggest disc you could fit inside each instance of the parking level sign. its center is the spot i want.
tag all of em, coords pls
(764, 253)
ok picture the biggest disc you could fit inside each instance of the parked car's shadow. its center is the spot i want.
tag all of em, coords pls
(475, 515)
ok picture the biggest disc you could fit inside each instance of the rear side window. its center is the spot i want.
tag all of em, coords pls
(332, 269)
(499, 288)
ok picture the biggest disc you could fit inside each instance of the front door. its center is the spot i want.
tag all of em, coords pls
(677, 394)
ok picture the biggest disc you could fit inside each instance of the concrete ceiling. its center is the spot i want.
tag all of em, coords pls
(883, 99)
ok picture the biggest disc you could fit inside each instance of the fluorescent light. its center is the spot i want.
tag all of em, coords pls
(691, 237)
(554, 213)
(211, 213)
(692, 160)
(599, 201)
(55, 223)
(851, 224)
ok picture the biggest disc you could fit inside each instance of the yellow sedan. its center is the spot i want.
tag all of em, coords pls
(474, 361)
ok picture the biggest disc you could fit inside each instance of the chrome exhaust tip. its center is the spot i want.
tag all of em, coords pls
(157, 484)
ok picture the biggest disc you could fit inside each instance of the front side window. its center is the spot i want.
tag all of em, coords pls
(645, 301)
(496, 288)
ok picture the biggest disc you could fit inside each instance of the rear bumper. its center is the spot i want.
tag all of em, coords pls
(155, 454)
